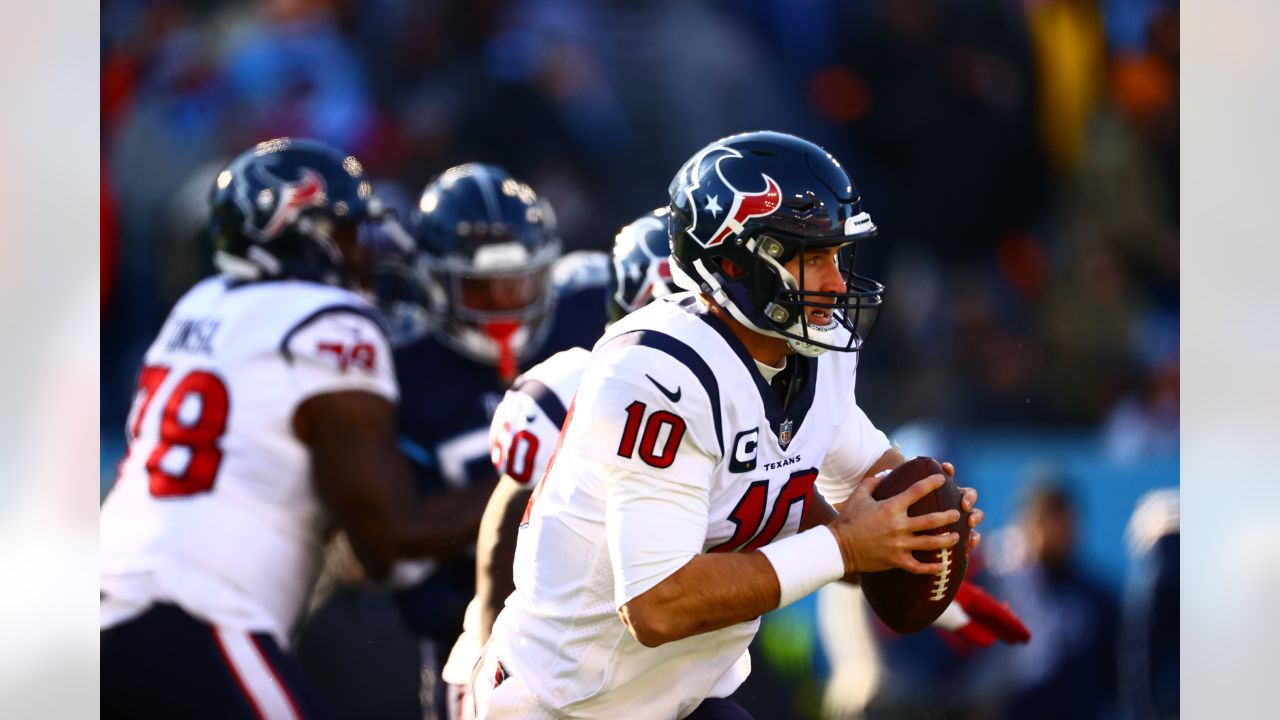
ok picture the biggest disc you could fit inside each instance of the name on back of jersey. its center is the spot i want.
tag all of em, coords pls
(192, 335)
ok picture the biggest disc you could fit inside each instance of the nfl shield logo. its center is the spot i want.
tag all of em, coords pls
(784, 432)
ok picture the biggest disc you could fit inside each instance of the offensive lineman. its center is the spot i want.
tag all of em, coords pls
(264, 418)
(679, 506)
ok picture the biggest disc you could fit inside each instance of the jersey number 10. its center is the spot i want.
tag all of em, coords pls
(749, 515)
(650, 453)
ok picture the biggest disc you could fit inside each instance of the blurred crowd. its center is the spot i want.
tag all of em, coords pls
(1094, 653)
(1020, 157)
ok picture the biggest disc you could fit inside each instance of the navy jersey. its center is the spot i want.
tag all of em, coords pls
(447, 400)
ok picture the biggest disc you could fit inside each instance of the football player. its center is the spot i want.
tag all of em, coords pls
(523, 435)
(679, 505)
(500, 296)
(264, 418)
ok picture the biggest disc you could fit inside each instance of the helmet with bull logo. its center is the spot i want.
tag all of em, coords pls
(745, 205)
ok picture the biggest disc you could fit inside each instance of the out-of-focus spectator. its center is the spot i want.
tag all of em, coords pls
(292, 71)
(845, 628)
(1145, 423)
(1149, 637)
(109, 244)
(1069, 669)
(1070, 61)
(945, 127)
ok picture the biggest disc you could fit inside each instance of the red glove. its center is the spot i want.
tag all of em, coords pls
(975, 619)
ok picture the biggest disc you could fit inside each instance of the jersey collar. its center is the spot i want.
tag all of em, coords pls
(800, 370)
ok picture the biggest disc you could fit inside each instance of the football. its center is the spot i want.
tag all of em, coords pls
(907, 602)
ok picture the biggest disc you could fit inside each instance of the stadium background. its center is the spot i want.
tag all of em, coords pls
(1020, 157)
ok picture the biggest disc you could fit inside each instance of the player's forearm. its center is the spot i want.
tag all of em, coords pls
(399, 527)
(710, 592)
(496, 550)
(445, 524)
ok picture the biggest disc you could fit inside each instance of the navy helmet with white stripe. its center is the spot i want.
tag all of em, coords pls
(486, 243)
(742, 207)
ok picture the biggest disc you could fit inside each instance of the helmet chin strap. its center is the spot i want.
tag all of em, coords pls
(804, 348)
(721, 298)
(502, 332)
(798, 327)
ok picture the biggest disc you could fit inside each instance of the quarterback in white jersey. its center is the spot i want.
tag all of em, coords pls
(263, 420)
(680, 504)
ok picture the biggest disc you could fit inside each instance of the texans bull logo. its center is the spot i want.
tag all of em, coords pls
(642, 263)
(294, 197)
(706, 191)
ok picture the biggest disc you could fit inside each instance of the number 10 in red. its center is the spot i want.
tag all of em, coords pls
(649, 452)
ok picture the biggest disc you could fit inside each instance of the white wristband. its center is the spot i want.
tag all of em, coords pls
(805, 562)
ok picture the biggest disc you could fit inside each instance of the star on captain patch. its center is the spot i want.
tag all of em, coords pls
(713, 204)
(784, 431)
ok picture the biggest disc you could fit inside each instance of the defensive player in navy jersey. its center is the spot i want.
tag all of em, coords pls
(680, 505)
(500, 297)
(264, 419)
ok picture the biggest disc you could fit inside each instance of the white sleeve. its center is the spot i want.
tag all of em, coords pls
(655, 524)
(855, 451)
(656, 456)
(641, 409)
(522, 439)
(340, 351)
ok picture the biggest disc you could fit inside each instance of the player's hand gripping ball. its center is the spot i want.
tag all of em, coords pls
(907, 602)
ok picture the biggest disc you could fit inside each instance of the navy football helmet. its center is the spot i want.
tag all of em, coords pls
(486, 243)
(285, 208)
(641, 264)
(742, 207)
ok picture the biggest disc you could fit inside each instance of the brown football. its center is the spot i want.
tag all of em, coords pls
(907, 602)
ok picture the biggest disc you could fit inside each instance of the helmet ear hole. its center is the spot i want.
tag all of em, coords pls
(731, 269)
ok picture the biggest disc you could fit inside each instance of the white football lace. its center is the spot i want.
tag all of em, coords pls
(940, 583)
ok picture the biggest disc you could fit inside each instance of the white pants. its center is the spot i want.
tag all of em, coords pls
(509, 700)
(457, 702)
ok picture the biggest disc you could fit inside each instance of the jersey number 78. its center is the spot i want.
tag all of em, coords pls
(194, 417)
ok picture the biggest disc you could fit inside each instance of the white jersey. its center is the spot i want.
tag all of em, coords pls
(675, 446)
(214, 509)
(522, 438)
